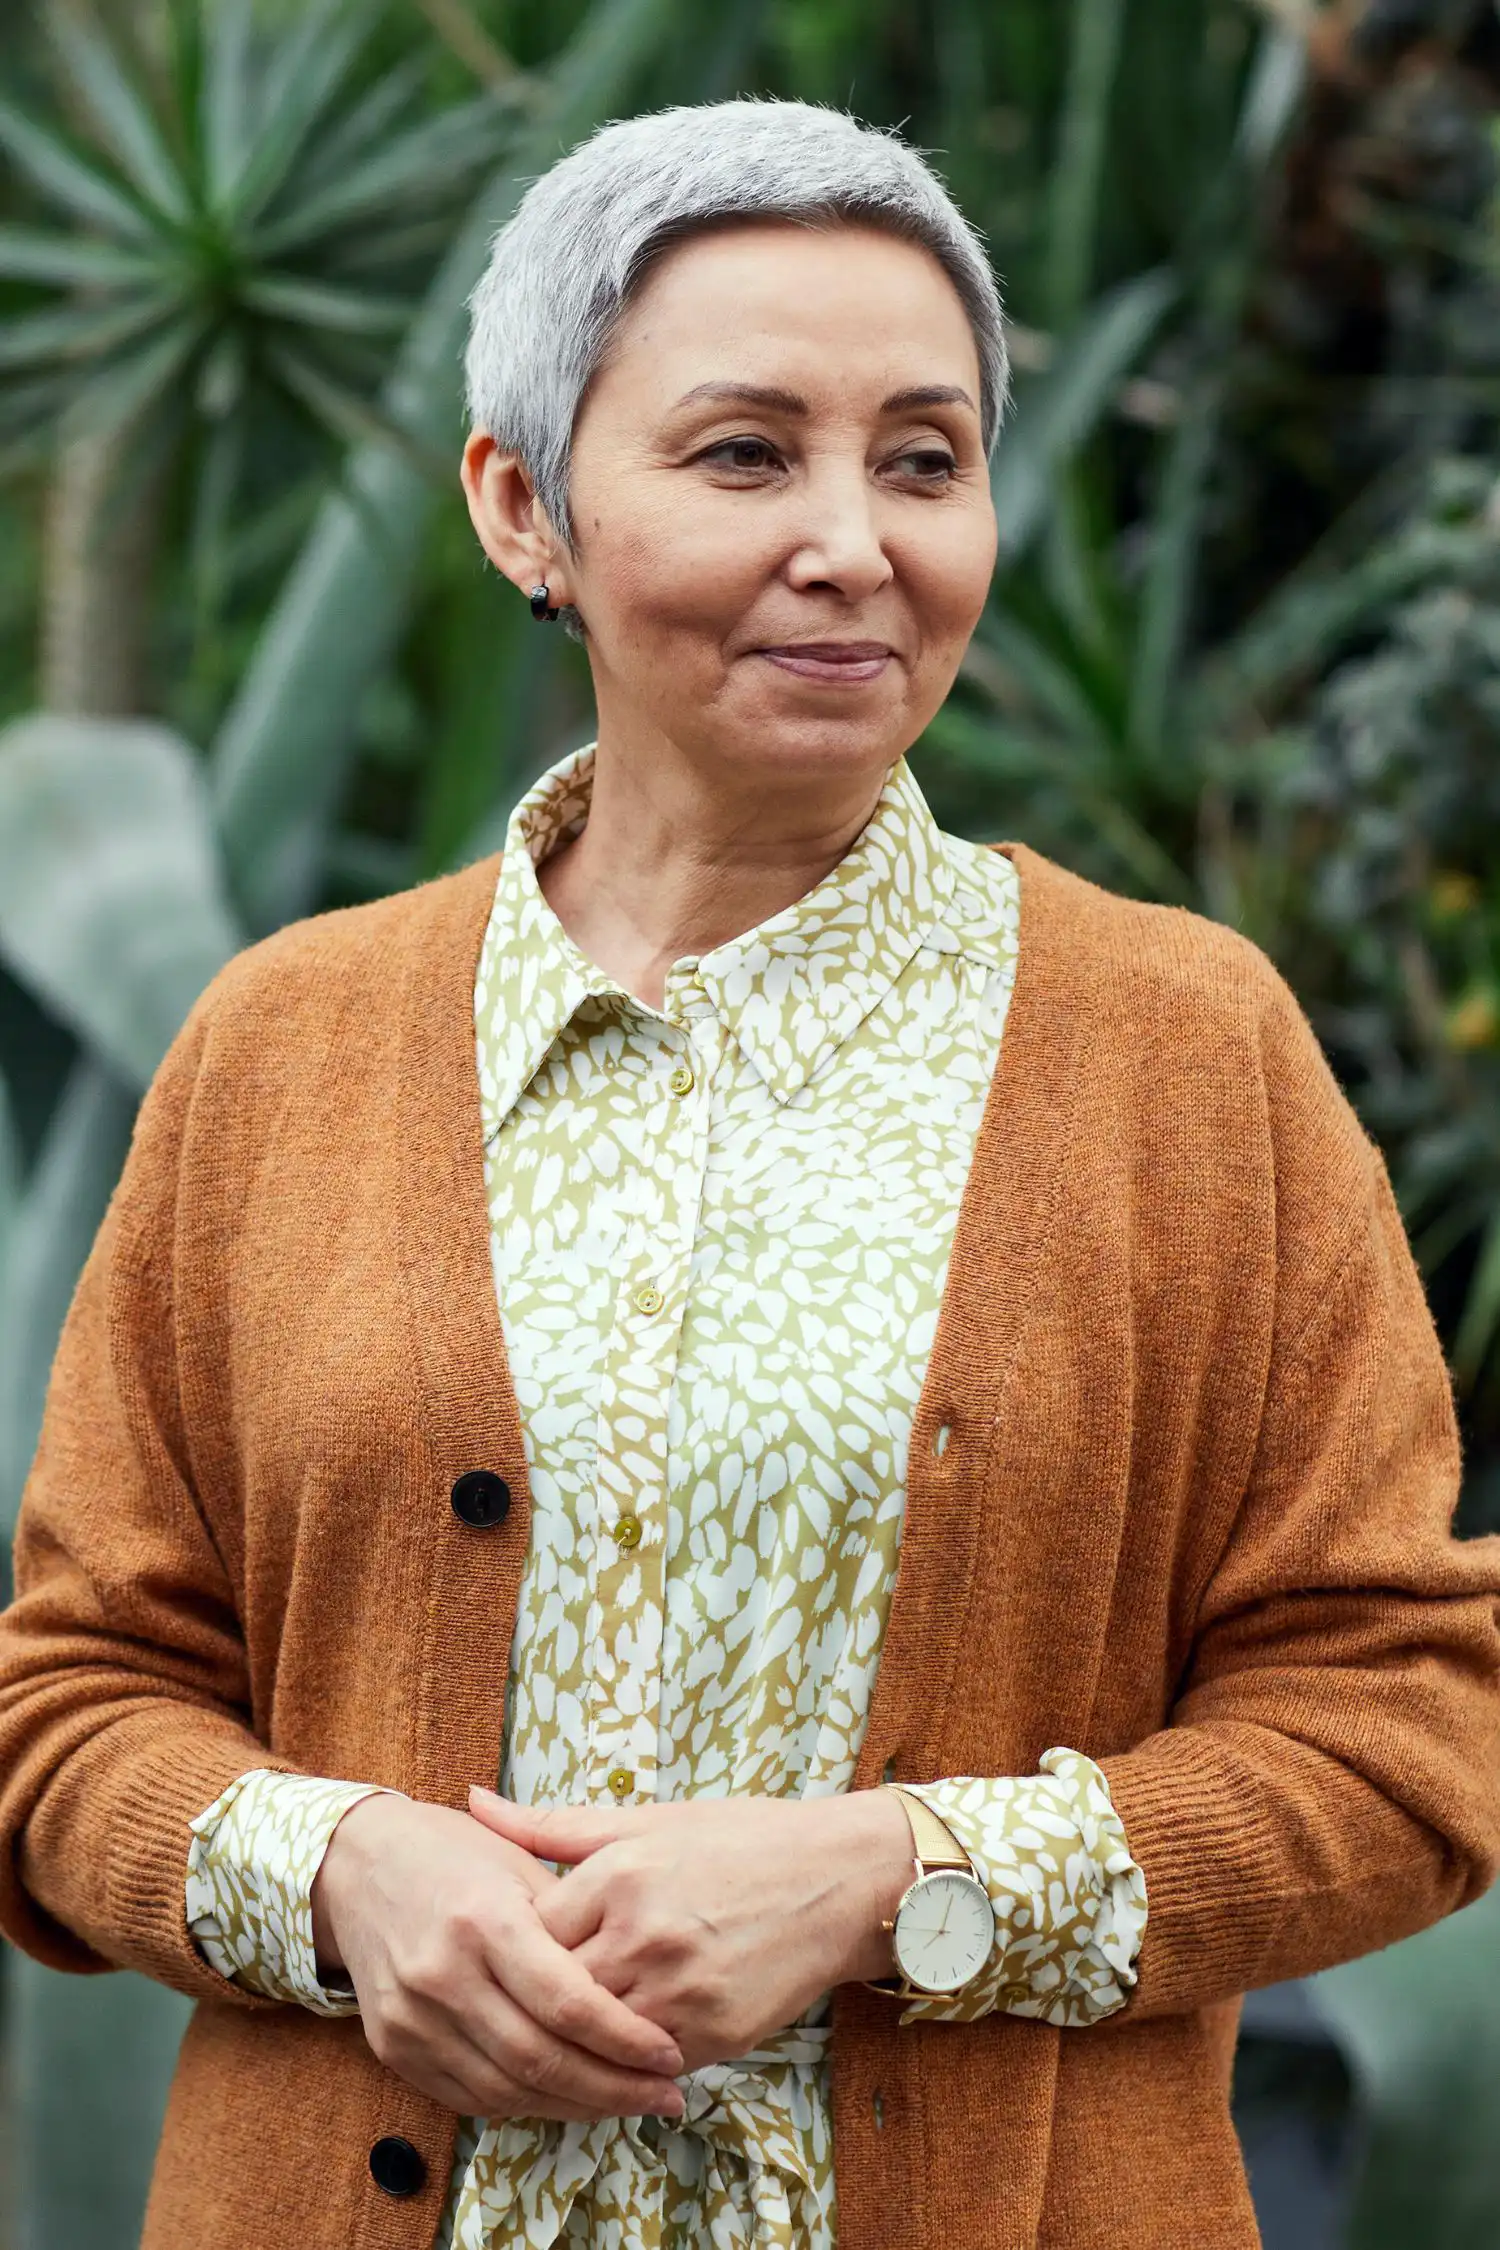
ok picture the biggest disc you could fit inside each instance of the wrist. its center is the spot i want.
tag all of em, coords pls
(882, 1868)
(341, 1874)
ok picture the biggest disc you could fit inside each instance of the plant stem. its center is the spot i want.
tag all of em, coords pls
(99, 541)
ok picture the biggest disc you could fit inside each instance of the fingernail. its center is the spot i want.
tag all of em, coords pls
(668, 2059)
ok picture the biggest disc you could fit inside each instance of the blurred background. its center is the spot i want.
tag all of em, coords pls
(1242, 655)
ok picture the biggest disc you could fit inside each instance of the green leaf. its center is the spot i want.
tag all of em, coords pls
(1170, 575)
(1058, 413)
(498, 682)
(124, 119)
(320, 304)
(1277, 83)
(1421, 2029)
(1480, 1324)
(111, 905)
(364, 124)
(78, 331)
(1176, 530)
(70, 2039)
(64, 177)
(225, 130)
(1078, 168)
(283, 752)
(10, 1177)
(304, 72)
(55, 1223)
(132, 386)
(106, 2045)
(1020, 659)
(26, 254)
(423, 162)
(1314, 611)
(350, 419)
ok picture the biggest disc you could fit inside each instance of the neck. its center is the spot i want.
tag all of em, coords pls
(674, 861)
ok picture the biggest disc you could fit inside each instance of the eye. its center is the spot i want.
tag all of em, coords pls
(745, 453)
(927, 464)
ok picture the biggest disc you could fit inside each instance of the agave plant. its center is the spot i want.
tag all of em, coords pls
(246, 215)
(249, 217)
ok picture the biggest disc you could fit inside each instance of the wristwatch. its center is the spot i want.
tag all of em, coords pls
(944, 1926)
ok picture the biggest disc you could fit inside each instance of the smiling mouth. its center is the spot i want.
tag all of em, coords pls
(844, 663)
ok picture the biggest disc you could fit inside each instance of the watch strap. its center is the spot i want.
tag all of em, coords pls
(933, 1841)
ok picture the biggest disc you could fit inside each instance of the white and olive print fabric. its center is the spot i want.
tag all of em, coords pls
(250, 1877)
(720, 1233)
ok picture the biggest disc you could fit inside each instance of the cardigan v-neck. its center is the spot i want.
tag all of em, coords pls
(1192, 1516)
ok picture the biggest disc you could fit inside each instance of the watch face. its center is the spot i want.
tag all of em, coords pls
(945, 1926)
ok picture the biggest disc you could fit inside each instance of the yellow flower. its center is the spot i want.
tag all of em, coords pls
(1453, 893)
(1474, 1021)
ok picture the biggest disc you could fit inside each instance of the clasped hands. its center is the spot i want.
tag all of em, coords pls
(677, 1935)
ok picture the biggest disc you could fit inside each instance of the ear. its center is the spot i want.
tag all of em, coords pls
(513, 526)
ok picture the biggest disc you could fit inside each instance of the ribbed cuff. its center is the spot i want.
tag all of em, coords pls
(157, 1792)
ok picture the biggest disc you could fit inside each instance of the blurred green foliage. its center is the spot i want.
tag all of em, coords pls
(1241, 652)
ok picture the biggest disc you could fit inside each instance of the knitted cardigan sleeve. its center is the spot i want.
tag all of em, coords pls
(124, 1692)
(1327, 1780)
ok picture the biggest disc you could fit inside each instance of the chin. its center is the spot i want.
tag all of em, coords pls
(821, 742)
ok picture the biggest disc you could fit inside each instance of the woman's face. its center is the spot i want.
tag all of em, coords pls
(781, 503)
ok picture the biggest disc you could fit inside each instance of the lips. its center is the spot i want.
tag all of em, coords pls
(843, 663)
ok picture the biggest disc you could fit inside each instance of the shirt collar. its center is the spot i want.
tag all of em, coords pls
(790, 991)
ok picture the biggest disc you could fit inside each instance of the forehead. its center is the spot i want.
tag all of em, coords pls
(827, 307)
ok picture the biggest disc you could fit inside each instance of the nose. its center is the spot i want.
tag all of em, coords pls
(840, 544)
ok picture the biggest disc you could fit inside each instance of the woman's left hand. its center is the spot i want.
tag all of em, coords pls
(719, 1918)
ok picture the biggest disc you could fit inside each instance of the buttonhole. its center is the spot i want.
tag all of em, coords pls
(940, 1437)
(877, 2103)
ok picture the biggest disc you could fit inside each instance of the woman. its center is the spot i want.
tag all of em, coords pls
(850, 1195)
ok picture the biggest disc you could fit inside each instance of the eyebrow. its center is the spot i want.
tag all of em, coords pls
(778, 401)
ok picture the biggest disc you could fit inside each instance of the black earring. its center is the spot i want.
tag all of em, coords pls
(539, 608)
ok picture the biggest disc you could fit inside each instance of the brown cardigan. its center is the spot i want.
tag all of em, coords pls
(1193, 1519)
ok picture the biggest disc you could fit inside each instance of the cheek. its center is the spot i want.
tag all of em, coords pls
(660, 573)
(948, 568)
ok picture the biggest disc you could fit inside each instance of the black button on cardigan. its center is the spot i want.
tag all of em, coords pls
(397, 2167)
(481, 1499)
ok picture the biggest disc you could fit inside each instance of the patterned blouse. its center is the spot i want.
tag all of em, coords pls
(720, 1233)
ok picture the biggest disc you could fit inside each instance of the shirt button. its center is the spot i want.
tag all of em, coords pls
(648, 1299)
(628, 1531)
(621, 1781)
(481, 1499)
(681, 1080)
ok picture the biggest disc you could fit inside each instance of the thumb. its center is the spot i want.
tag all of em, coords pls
(562, 1833)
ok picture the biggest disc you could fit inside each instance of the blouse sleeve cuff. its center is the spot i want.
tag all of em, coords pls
(254, 1857)
(1069, 1900)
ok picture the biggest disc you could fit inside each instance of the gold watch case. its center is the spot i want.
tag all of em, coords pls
(944, 1924)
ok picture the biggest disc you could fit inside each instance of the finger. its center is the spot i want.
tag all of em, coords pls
(600, 1956)
(567, 1833)
(553, 2069)
(462, 2077)
(543, 1978)
(497, 2062)
(571, 1911)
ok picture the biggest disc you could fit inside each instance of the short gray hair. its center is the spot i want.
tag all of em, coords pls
(564, 267)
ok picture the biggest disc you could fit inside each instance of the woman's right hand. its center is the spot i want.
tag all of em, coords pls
(462, 1991)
